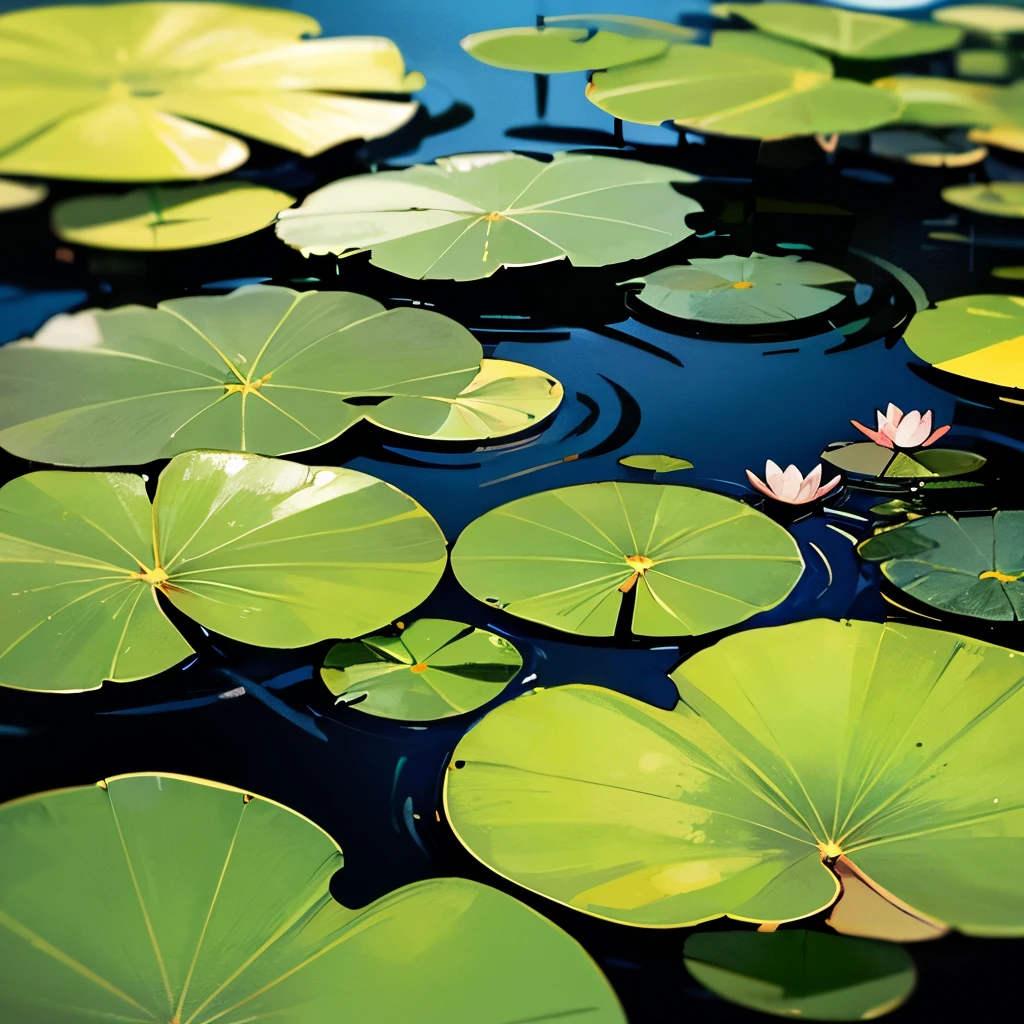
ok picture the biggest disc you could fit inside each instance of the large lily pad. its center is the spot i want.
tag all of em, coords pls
(466, 216)
(845, 33)
(976, 336)
(17, 195)
(503, 398)
(175, 217)
(739, 290)
(993, 198)
(796, 973)
(149, 898)
(968, 565)
(742, 84)
(264, 369)
(434, 668)
(261, 550)
(113, 92)
(892, 749)
(863, 458)
(698, 561)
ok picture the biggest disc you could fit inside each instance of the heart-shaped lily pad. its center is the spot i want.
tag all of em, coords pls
(17, 195)
(503, 398)
(976, 336)
(434, 668)
(261, 550)
(743, 84)
(466, 216)
(968, 565)
(993, 198)
(891, 750)
(698, 561)
(862, 458)
(263, 369)
(796, 973)
(172, 217)
(853, 34)
(739, 290)
(164, 898)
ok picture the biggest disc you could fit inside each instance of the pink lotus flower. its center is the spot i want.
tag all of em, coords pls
(792, 486)
(898, 431)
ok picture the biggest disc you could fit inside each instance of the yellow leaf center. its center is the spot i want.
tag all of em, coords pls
(155, 577)
(995, 574)
(493, 216)
(419, 667)
(640, 563)
(805, 80)
(247, 387)
(744, 284)
(830, 850)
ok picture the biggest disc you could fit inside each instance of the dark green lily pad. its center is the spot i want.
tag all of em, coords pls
(433, 669)
(863, 458)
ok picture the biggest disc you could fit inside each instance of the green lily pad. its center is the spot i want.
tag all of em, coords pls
(466, 216)
(794, 752)
(160, 897)
(434, 669)
(263, 369)
(811, 975)
(968, 565)
(656, 463)
(864, 458)
(260, 550)
(743, 84)
(980, 337)
(947, 102)
(503, 398)
(87, 93)
(698, 561)
(987, 19)
(739, 290)
(925, 149)
(844, 33)
(994, 198)
(174, 217)
(17, 195)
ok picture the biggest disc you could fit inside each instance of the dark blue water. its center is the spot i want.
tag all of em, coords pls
(633, 384)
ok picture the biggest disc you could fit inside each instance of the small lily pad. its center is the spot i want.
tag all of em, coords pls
(566, 558)
(168, 217)
(795, 973)
(18, 195)
(994, 198)
(968, 565)
(1004, 137)
(988, 19)
(925, 149)
(657, 463)
(466, 216)
(862, 458)
(740, 290)
(946, 102)
(503, 398)
(433, 669)
(851, 34)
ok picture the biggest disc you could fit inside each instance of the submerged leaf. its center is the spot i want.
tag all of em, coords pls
(994, 198)
(790, 747)
(755, 289)
(466, 216)
(263, 551)
(796, 973)
(113, 92)
(968, 565)
(168, 898)
(657, 463)
(172, 217)
(433, 669)
(698, 561)
(18, 195)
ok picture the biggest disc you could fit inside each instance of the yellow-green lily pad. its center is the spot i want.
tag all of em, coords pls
(993, 198)
(656, 463)
(985, 19)
(18, 195)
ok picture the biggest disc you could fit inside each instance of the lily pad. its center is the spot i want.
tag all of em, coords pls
(698, 561)
(260, 550)
(862, 458)
(18, 195)
(947, 102)
(503, 398)
(123, 92)
(1006, 137)
(976, 336)
(434, 669)
(994, 198)
(811, 975)
(740, 290)
(656, 463)
(924, 149)
(889, 748)
(262, 369)
(174, 217)
(466, 216)
(160, 897)
(743, 84)
(985, 19)
(968, 565)
(844, 33)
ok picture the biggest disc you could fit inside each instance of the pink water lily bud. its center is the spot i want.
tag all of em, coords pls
(899, 430)
(791, 486)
